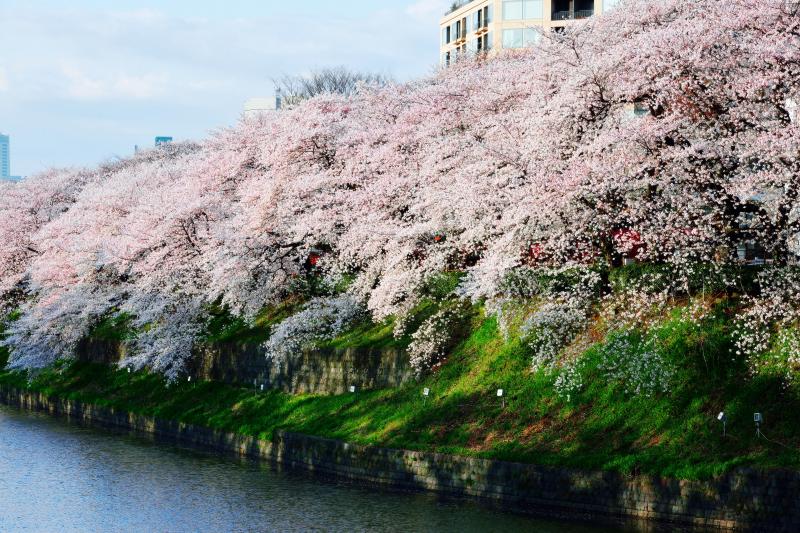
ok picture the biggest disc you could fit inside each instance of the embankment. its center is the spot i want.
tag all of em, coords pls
(745, 499)
(311, 371)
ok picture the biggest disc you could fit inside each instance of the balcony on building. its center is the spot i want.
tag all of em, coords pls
(572, 9)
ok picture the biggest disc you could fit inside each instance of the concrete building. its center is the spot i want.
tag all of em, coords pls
(484, 25)
(5, 157)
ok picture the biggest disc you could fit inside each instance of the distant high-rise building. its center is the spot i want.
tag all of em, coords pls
(5, 157)
(258, 106)
(160, 141)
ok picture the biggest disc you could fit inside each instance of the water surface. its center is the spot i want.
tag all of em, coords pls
(57, 476)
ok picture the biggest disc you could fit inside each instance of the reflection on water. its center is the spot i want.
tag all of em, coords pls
(59, 476)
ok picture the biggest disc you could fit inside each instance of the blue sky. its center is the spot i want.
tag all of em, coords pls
(82, 81)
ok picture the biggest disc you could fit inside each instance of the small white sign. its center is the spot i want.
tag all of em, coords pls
(499, 393)
(721, 416)
(426, 391)
(757, 418)
(262, 387)
(352, 388)
(190, 379)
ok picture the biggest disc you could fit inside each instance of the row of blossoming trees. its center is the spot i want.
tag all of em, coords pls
(662, 130)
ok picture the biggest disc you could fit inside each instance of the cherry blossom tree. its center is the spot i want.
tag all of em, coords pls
(663, 132)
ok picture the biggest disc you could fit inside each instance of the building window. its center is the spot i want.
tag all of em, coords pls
(485, 42)
(512, 38)
(523, 9)
(534, 9)
(572, 9)
(512, 10)
(520, 37)
(530, 36)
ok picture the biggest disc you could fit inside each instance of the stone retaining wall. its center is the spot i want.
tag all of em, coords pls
(745, 499)
(319, 371)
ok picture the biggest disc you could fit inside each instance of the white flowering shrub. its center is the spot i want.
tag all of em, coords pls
(434, 338)
(569, 381)
(524, 282)
(321, 319)
(636, 364)
(565, 314)
(508, 313)
(786, 356)
(782, 358)
(553, 326)
(775, 309)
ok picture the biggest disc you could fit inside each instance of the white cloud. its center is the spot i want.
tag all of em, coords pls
(139, 87)
(115, 86)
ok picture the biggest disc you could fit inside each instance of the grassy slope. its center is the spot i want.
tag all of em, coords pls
(674, 434)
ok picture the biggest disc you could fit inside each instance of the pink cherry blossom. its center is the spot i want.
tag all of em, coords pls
(664, 131)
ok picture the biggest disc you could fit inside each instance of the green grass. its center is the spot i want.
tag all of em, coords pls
(602, 427)
(115, 328)
(222, 326)
(368, 335)
(380, 335)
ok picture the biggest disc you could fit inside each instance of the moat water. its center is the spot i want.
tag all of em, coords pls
(58, 476)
